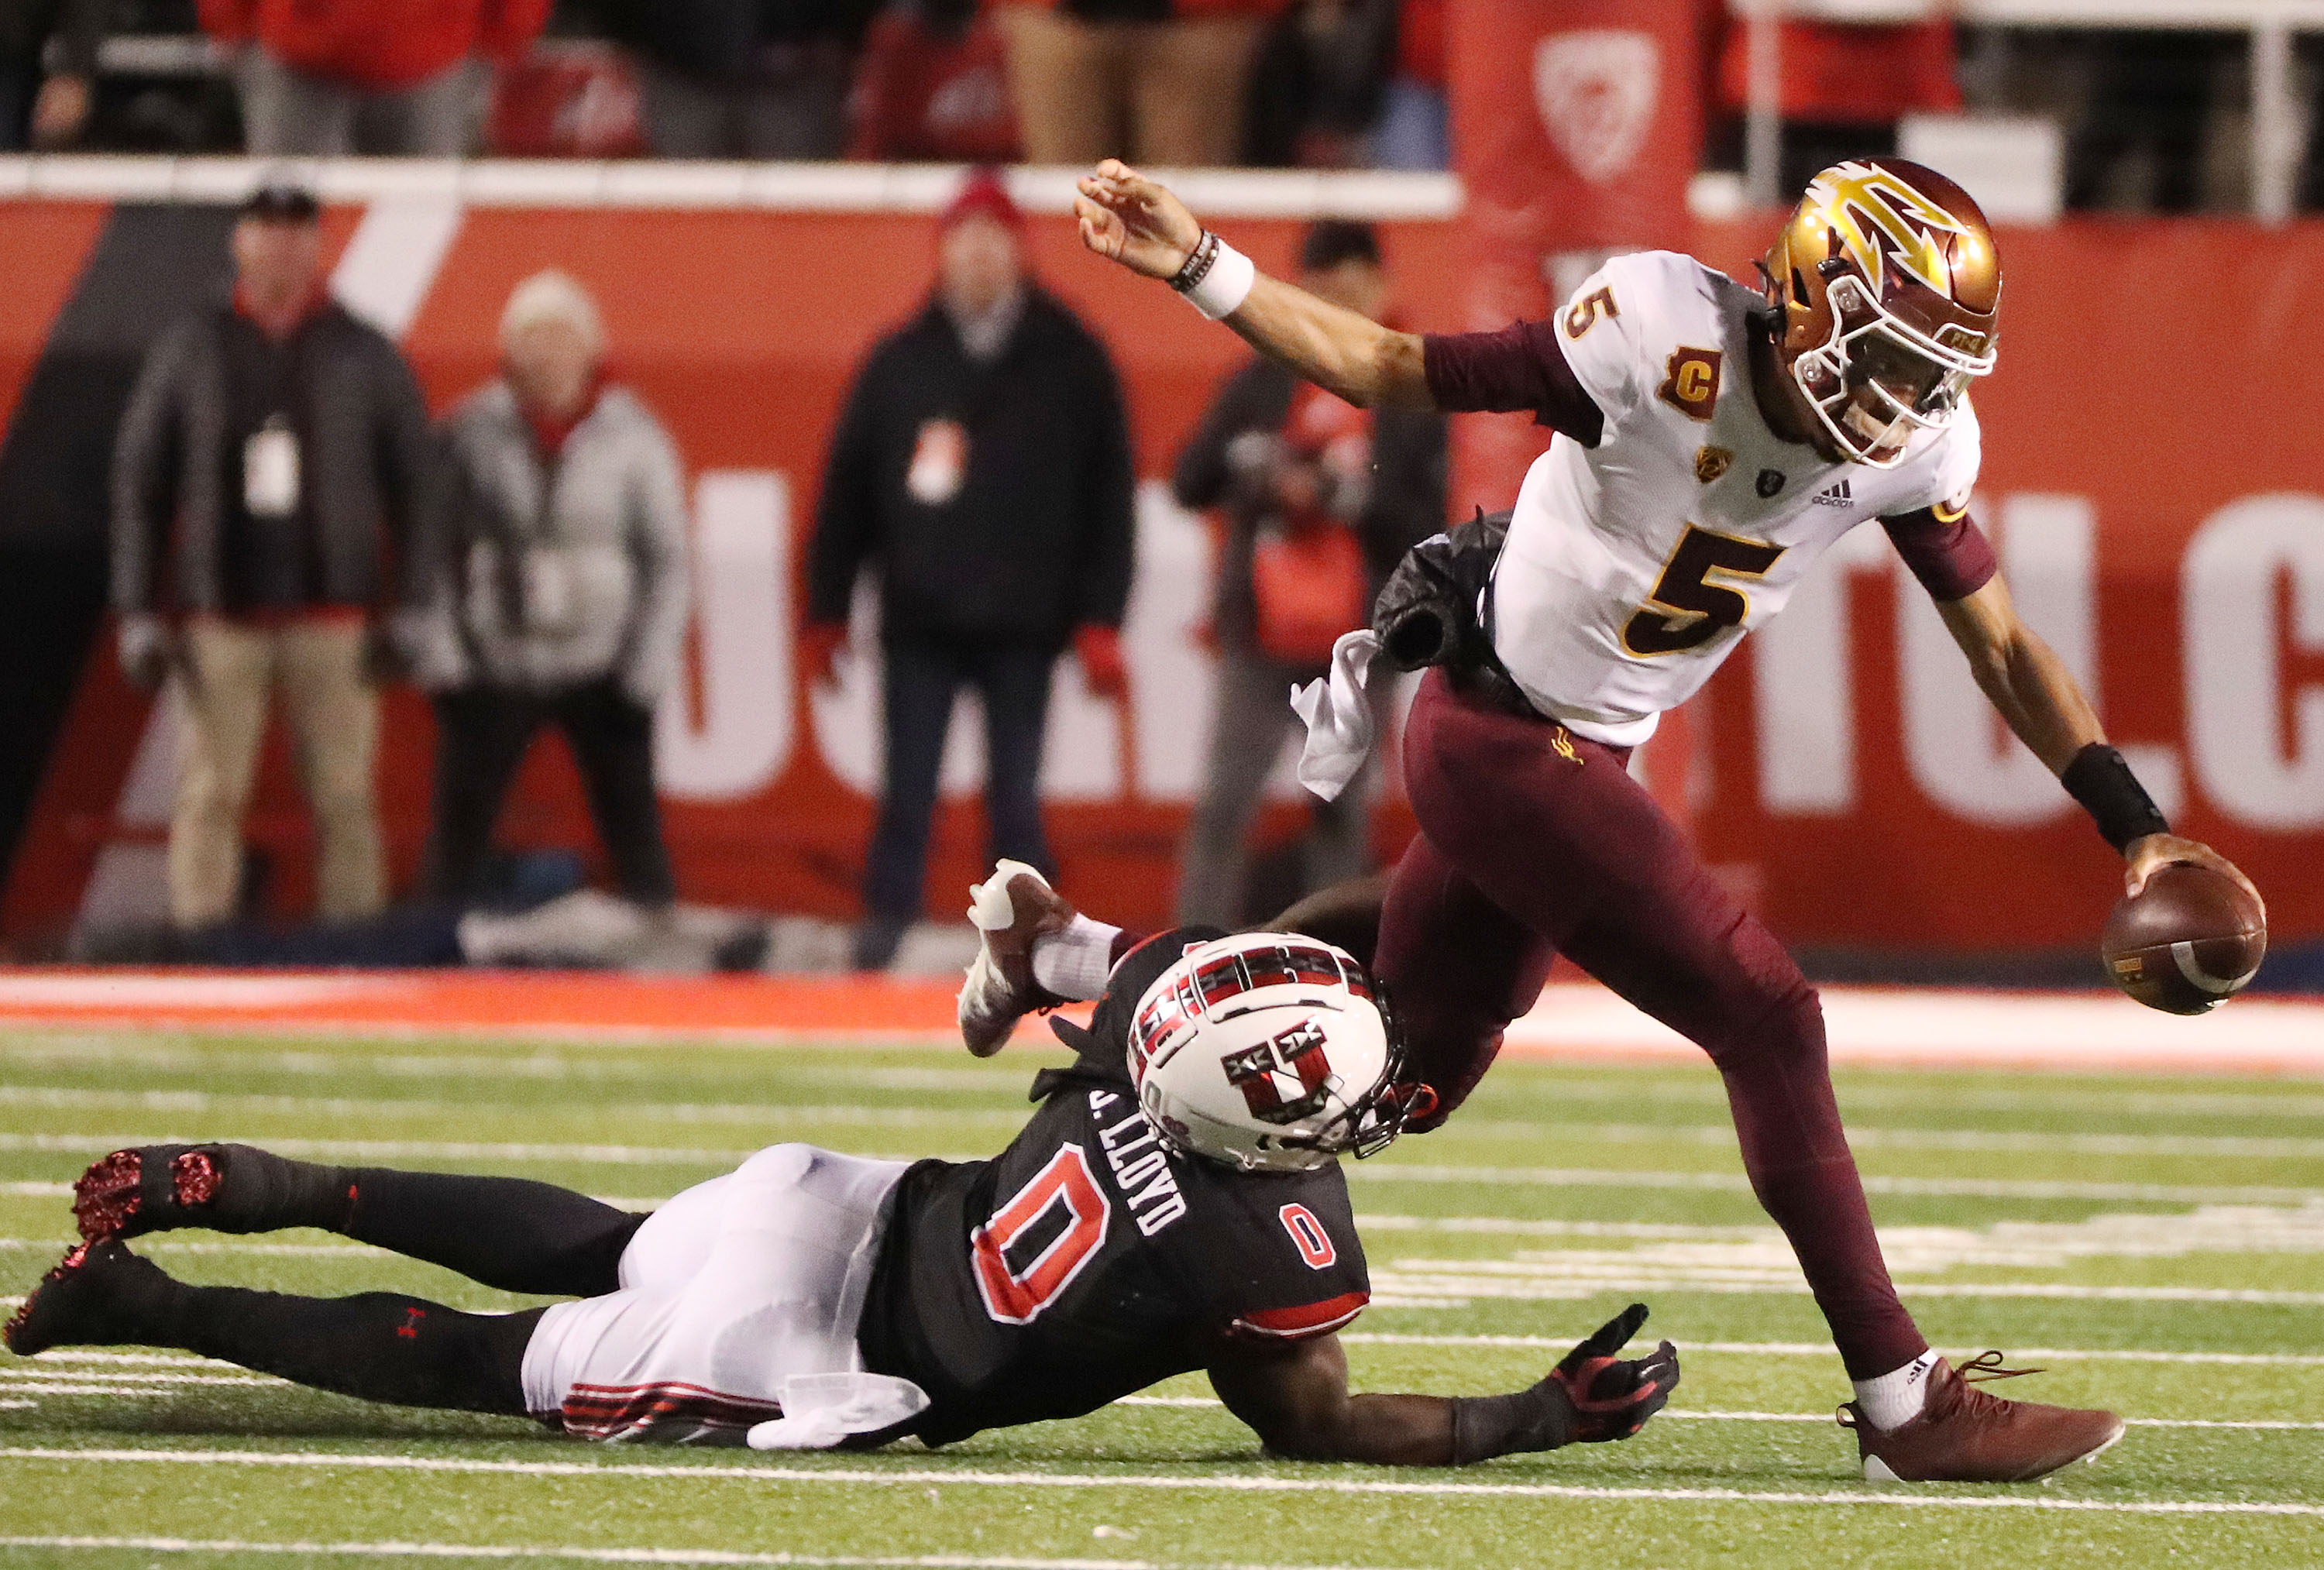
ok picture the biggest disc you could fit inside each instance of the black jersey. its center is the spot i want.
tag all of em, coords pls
(1089, 1260)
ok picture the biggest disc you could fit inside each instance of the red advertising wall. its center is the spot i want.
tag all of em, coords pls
(2158, 496)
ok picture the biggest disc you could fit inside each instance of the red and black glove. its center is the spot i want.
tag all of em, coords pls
(819, 645)
(1591, 1395)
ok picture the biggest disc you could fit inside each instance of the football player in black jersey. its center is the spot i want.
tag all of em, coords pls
(1175, 1203)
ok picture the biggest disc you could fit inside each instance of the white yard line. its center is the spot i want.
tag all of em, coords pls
(178, 1245)
(1371, 1172)
(1720, 1135)
(1871, 1136)
(20, 1373)
(1826, 1419)
(1563, 1343)
(598, 1556)
(398, 1149)
(140, 1359)
(1735, 1183)
(387, 1107)
(1876, 1137)
(32, 1378)
(48, 1388)
(1548, 1281)
(1670, 1413)
(203, 1052)
(1200, 1483)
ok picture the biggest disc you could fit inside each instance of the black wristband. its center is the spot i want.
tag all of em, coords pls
(1484, 1426)
(1198, 265)
(2103, 783)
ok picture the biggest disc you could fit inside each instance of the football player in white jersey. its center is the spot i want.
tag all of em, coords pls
(1711, 442)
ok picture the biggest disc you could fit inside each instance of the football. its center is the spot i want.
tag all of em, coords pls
(2186, 942)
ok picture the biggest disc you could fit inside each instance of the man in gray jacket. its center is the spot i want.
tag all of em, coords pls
(272, 473)
(559, 593)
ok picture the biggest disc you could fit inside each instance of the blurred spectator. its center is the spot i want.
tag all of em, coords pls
(1152, 81)
(39, 108)
(1319, 83)
(932, 86)
(982, 463)
(744, 78)
(1414, 129)
(559, 593)
(2140, 144)
(570, 98)
(1320, 502)
(272, 476)
(395, 77)
(1845, 86)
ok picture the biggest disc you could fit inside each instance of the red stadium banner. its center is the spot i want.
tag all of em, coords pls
(1576, 124)
(1851, 782)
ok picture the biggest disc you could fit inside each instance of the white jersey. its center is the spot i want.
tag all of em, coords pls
(1634, 567)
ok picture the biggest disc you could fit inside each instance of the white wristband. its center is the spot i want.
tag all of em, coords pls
(1222, 290)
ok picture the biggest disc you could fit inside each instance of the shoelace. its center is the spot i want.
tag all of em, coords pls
(1983, 1369)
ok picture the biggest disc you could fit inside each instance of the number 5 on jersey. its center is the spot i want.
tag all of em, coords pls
(1687, 609)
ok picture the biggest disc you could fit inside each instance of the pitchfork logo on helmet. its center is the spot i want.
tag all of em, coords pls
(1270, 1051)
(1889, 284)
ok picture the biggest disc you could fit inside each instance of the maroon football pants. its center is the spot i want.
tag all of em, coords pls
(1534, 843)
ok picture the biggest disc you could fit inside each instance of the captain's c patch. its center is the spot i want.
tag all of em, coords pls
(1691, 383)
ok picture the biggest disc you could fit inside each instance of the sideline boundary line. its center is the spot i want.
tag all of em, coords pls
(2086, 1032)
(924, 1477)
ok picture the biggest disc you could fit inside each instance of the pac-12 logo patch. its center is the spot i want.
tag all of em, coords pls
(1313, 1242)
(1771, 480)
(1596, 89)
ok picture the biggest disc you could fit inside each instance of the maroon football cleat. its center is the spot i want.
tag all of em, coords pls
(98, 1295)
(1965, 1436)
(1011, 909)
(148, 1189)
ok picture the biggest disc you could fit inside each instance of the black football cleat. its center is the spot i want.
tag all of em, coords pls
(226, 1187)
(152, 1189)
(98, 1295)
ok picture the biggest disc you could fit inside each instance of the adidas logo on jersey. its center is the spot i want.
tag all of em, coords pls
(1835, 495)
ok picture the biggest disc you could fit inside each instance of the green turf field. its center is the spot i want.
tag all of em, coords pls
(2157, 1244)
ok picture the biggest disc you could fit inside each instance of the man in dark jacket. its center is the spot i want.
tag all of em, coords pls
(743, 79)
(273, 462)
(1244, 460)
(38, 107)
(983, 463)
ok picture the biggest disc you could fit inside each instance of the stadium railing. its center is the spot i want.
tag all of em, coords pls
(2276, 129)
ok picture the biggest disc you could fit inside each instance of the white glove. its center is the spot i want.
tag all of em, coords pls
(1339, 716)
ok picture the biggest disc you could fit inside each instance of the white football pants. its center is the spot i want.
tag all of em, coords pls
(733, 1290)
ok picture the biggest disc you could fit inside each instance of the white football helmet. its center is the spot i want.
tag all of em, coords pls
(1270, 1051)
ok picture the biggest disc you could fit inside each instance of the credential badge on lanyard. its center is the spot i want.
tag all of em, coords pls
(270, 469)
(939, 462)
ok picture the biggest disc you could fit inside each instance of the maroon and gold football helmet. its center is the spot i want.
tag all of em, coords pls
(1889, 288)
